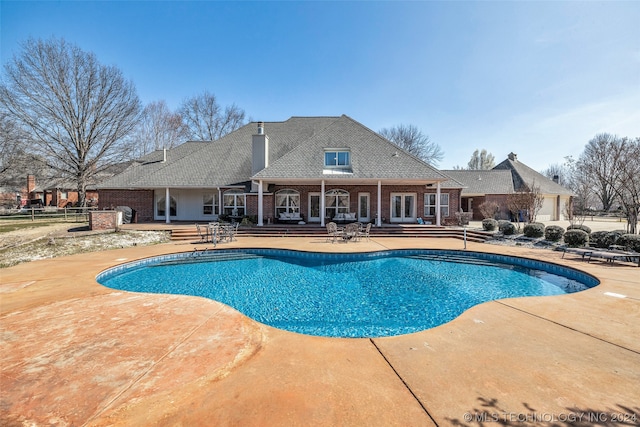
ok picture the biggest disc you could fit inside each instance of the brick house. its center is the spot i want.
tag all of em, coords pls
(310, 169)
(508, 177)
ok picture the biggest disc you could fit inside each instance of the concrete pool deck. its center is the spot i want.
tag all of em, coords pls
(76, 353)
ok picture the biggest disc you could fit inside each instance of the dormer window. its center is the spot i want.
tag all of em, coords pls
(337, 159)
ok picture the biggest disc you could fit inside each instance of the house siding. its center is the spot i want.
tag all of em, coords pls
(139, 200)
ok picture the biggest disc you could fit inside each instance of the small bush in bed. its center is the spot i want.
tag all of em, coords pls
(534, 229)
(575, 238)
(507, 228)
(489, 224)
(579, 227)
(553, 233)
(630, 241)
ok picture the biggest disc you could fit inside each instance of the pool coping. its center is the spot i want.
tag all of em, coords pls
(559, 355)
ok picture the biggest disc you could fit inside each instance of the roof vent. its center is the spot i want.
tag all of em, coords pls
(260, 128)
(513, 157)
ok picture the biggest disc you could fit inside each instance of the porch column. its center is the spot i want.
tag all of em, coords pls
(219, 201)
(379, 216)
(260, 213)
(438, 203)
(322, 203)
(167, 206)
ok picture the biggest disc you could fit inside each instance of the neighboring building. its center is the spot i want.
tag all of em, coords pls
(311, 169)
(482, 186)
(556, 197)
(506, 178)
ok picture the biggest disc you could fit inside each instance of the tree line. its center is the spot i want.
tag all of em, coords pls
(62, 110)
(605, 177)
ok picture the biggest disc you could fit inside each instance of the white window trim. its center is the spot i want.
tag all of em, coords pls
(443, 206)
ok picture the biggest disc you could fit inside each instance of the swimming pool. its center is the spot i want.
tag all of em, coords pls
(347, 295)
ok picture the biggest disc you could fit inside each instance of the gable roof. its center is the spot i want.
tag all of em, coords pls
(523, 175)
(372, 157)
(481, 182)
(296, 151)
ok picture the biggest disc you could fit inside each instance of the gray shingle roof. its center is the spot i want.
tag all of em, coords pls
(479, 182)
(372, 157)
(296, 151)
(523, 175)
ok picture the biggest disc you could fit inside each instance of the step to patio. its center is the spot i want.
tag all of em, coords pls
(311, 230)
(461, 260)
(205, 256)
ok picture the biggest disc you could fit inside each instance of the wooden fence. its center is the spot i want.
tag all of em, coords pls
(47, 213)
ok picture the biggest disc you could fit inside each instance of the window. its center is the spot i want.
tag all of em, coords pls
(287, 201)
(64, 195)
(210, 204)
(234, 203)
(335, 202)
(160, 206)
(337, 158)
(430, 204)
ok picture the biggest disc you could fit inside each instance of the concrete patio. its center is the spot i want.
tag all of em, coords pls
(76, 353)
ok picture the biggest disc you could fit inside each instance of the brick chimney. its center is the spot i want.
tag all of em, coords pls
(31, 185)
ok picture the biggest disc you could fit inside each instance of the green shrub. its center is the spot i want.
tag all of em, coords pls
(631, 241)
(534, 229)
(579, 227)
(576, 237)
(604, 239)
(489, 224)
(507, 228)
(553, 233)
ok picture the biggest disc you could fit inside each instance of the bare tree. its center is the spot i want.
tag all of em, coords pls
(76, 111)
(158, 128)
(12, 144)
(526, 203)
(489, 209)
(481, 160)
(579, 181)
(625, 182)
(557, 172)
(411, 139)
(597, 161)
(206, 120)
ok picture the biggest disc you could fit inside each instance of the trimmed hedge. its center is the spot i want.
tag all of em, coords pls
(534, 229)
(489, 224)
(507, 228)
(576, 237)
(604, 239)
(631, 241)
(553, 233)
(579, 227)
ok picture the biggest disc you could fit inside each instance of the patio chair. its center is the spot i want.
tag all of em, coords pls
(364, 232)
(351, 232)
(231, 231)
(333, 232)
(203, 232)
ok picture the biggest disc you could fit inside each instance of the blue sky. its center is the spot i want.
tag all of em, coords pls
(536, 78)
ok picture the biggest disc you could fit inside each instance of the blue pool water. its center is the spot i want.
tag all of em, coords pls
(347, 295)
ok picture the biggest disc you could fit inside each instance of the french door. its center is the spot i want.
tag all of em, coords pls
(363, 207)
(314, 207)
(403, 207)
